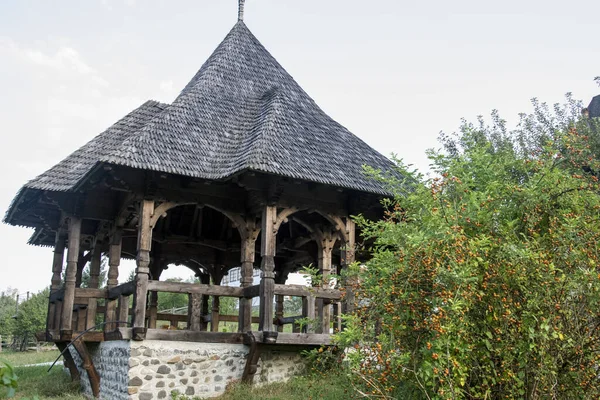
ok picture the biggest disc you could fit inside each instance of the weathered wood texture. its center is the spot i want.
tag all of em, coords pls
(88, 365)
(94, 283)
(72, 257)
(267, 282)
(190, 288)
(143, 270)
(114, 260)
(57, 265)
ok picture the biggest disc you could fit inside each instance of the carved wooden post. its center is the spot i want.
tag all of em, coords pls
(81, 262)
(94, 283)
(72, 257)
(143, 269)
(214, 318)
(325, 242)
(205, 280)
(114, 260)
(347, 259)
(267, 281)
(195, 318)
(57, 264)
(249, 235)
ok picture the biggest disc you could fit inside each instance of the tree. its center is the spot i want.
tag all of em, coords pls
(8, 304)
(484, 281)
(31, 318)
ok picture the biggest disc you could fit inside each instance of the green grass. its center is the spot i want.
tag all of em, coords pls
(332, 386)
(36, 382)
(28, 357)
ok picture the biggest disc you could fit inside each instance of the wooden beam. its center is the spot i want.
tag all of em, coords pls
(143, 270)
(72, 258)
(305, 291)
(190, 288)
(125, 289)
(194, 336)
(88, 365)
(95, 262)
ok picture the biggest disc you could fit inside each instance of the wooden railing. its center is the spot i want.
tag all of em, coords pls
(114, 305)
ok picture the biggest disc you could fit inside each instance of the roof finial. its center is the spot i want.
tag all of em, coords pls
(241, 10)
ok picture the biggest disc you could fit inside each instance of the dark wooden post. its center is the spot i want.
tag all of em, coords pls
(205, 280)
(195, 318)
(72, 257)
(57, 264)
(267, 280)
(114, 260)
(143, 269)
(325, 242)
(347, 259)
(249, 235)
(94, 282)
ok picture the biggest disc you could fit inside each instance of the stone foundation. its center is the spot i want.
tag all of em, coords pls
(152, 369)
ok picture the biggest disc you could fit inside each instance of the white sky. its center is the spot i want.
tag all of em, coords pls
(393, 72)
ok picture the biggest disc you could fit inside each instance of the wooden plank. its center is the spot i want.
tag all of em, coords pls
(88, 365)
(94, 283)
(123, 310)
(214, 321)
(125, 289)
(90, 293)
(194, 336)
(305, 291)
(152, 310)
(58, 295)
(72, 258)
(190, 288)
(57, 264)
(297, 339)
(251, 291)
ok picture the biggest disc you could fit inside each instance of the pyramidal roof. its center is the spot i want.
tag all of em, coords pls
(241, 111)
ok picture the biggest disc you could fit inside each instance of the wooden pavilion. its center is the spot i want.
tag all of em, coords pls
(242, 169)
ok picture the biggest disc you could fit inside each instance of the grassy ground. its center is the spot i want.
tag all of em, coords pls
(36, 381)
(334, 386)
(28, 357)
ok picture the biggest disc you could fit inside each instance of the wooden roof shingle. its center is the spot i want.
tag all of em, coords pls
(241, 111)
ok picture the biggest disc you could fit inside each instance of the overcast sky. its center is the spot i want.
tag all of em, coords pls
(394, 72)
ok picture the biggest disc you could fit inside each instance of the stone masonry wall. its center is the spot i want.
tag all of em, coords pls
(152, 369)
(199, 369)
(111, 360)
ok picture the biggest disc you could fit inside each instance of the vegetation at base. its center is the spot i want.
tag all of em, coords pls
(36, 383)
(484, 280)
(335, 385)
(19, 358)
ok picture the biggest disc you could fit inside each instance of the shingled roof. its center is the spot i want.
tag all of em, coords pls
(241, 111)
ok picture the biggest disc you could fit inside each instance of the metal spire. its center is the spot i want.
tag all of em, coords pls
(241, 10)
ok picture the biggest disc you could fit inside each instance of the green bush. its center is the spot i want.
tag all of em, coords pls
(484, 280)
(8, 379)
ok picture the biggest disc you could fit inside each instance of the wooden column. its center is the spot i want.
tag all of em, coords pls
(114, 260)
(267, 281)
(95, 264)
(249, 235)
(57, 264)
(347, 259)
(195, 301)
(143, 269)
(214, 317)
(72, 257)
(205, 280)
(325, 242)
